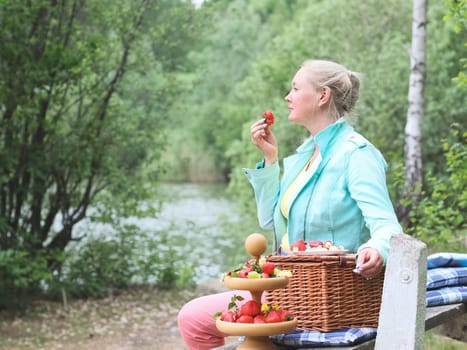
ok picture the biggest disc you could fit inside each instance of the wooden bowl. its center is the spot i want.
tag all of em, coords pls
(256, 284)
(256, 329)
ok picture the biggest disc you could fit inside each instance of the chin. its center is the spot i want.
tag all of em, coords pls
(294, 120)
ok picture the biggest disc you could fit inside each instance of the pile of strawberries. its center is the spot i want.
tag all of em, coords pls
(301, 245)
(253, 312)
(254, 269)
(258, 269)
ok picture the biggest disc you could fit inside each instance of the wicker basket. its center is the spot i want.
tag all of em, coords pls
(325, 295)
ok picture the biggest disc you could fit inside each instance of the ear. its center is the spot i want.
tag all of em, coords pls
(325, 96)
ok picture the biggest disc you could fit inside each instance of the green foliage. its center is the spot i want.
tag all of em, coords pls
(21, 275)
(117, 260)
(439, 219)
(209, 111)
(84, 88)
(457, 15)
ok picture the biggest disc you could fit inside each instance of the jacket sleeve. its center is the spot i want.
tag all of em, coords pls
(265, 183)
(367, 186)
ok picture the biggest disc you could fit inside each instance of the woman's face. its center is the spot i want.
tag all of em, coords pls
(302, 99)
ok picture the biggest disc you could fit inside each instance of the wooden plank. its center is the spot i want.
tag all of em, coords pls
(437, 315)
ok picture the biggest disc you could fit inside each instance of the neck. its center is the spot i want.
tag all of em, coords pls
(320, 123)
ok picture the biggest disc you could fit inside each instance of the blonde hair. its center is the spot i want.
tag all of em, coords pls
(344, 84)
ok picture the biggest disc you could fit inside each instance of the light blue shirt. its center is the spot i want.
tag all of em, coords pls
(345, 201)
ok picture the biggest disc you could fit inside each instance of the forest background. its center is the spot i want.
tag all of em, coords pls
(101, 101)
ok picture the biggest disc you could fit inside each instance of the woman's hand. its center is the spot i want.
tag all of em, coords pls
(370, 262)
(264, 139)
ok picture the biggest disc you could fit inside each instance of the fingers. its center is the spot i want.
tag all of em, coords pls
(263, 138)
(258, 131)
(370, 262)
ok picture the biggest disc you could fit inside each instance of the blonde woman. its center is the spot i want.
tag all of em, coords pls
(333, 187)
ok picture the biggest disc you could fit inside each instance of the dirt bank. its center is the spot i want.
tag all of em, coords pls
(143, 319)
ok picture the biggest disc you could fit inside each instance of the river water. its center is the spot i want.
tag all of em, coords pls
(206, 222)
(197, 223)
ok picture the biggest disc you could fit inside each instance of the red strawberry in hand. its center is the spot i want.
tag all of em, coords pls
(268, 117)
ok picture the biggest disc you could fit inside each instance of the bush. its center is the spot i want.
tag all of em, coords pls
(120, 260)
(439, 218)
(20, 278)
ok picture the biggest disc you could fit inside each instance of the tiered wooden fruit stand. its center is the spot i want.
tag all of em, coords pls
(256, 334)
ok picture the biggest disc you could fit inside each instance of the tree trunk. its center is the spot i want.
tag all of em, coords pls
(413, 127)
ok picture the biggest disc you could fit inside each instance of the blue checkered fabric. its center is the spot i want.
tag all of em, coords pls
(446, 276)
(446, 295)
(444, 259)
(446, 279)
(351, 336)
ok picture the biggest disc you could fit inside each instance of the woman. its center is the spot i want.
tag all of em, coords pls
(333, 188)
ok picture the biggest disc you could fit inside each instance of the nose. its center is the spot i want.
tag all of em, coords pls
(287, 97)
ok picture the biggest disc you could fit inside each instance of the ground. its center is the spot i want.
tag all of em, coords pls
(141, 319)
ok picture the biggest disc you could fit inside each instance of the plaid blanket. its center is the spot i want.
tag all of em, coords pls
(351, 336)
(445, 259)
(446, 295)
(446, 284)
(446, 279)
(446, 276)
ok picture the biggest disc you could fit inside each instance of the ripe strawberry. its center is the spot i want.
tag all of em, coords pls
(268, 267)
(259, 319)
(228, 316)
(250, 308)
(314, 244)
(245, 319)
(273, 316)
(286, 315)
(268, 117)
(243, 273)
(299, 245)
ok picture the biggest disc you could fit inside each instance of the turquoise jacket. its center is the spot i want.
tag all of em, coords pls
(345, 200)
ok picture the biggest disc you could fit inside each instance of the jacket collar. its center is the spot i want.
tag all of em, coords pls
(324, 138)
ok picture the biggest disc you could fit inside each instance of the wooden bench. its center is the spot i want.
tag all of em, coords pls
(404, 317)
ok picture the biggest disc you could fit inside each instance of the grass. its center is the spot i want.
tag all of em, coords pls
(435, 341)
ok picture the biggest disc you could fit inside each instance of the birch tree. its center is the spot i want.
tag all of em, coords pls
(413, 127)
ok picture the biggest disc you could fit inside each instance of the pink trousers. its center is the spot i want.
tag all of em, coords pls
(196, 324)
